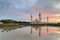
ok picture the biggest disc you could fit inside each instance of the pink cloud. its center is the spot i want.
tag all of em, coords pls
(43, 13)
(47, 14)
(26, 15)
(23, 15)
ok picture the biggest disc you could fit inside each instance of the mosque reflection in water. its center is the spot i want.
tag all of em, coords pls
(31, 29)
(36, 28)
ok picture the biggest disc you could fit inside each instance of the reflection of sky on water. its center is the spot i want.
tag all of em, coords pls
(25, 34)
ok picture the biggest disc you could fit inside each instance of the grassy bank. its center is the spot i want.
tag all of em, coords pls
(9, 24)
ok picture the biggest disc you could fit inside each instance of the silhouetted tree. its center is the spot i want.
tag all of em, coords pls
(9, 21)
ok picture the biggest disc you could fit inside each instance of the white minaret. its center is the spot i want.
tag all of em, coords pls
(31, 18)
(47, 19)
(31, 22)
(39, 16)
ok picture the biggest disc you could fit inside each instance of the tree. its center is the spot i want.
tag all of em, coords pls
(9, 21)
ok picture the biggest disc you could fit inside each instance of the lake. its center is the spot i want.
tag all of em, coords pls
(30, 33)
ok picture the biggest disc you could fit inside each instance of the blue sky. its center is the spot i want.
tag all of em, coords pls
(14, 9)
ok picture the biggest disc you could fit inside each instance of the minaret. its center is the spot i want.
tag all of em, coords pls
(39, 16)
(47, 19)
(47, 22)
(31, 30)
(31, 22)
(39, 31)
(31, 18)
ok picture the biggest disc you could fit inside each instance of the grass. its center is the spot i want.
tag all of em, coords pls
(9, 24)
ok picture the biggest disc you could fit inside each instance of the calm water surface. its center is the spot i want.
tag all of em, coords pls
(30, 33)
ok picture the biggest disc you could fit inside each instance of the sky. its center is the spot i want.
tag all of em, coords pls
(21, 10)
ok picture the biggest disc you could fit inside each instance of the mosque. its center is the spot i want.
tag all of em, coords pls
(36, 21)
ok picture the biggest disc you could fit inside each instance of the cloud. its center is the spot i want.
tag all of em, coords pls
(19, 8)
(18, 4)
(47, 6)
(57, 6)
(27, 5)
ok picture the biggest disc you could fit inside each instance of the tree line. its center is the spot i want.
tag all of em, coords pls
(12, 21)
